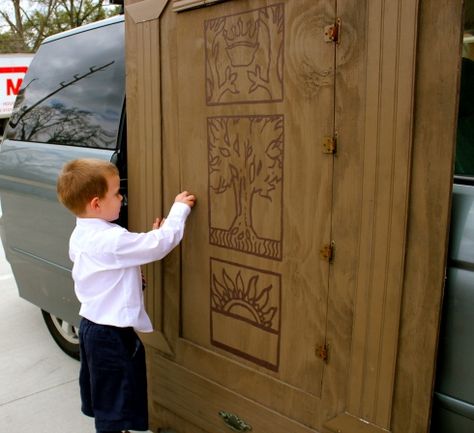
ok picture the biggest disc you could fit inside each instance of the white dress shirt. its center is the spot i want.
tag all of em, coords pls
(106, 269)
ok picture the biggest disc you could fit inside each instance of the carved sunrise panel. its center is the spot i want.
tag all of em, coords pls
(245, 312)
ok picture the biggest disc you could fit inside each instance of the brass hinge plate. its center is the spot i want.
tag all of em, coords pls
(327, 252)
(332, 33)
(330, 145)
(322, 352)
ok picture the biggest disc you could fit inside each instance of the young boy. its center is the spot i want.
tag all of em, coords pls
(108, 283)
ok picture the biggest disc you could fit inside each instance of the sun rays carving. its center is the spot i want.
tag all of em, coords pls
(244, 300)
(245, 312)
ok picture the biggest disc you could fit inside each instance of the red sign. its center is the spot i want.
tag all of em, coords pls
(13, 85)
(13, 69)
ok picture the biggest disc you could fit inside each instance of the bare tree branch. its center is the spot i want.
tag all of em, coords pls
(9, 21)
(18, 20)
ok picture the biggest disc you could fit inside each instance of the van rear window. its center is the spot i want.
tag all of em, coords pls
(74, 90)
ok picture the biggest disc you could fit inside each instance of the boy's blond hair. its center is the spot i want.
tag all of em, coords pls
(81, 180)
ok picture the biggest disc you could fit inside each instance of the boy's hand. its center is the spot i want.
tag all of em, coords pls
(186, 198)
(158, 223)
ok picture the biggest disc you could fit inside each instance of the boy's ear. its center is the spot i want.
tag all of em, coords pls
(94, 203)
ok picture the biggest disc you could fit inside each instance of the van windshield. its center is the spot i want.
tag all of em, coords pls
(74, 90)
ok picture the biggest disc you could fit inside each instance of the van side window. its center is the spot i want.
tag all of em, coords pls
(79, 101)
(465, 133)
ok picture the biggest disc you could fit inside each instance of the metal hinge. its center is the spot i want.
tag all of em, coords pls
(332, 33)
(322, 352)
(327, 252)
(330, 145)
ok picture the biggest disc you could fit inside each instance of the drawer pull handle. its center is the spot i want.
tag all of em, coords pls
(234, 422)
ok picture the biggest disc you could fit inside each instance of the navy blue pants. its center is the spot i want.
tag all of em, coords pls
(112, 378)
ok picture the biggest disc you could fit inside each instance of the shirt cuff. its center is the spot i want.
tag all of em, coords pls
(180, 210)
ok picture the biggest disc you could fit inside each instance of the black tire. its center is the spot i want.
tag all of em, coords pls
(64, 334)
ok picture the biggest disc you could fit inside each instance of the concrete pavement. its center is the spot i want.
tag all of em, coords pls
(38, 382)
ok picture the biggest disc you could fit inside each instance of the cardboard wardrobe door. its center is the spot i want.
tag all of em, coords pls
(256, 105)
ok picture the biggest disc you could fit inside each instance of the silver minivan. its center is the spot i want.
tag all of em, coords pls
(71, 105)
(453, 402)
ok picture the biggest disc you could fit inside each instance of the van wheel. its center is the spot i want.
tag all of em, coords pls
(64, 334)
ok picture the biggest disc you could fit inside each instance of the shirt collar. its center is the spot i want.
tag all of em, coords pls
(92, 222)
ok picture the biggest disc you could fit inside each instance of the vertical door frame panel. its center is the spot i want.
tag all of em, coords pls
(143, 90)
(435, 127)
(391, 28)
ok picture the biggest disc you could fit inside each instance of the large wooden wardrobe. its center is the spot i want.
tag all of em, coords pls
(318, 137)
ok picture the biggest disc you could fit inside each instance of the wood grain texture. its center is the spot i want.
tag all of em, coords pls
(437, 77)
(350, 106)
(145, 151)
(183, 5)
(199, 401)
(146, 10)
(385, 192)
(170, 170)
(346, 423)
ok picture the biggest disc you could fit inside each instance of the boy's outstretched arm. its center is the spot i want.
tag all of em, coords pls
(183, 197)
(166, 233)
